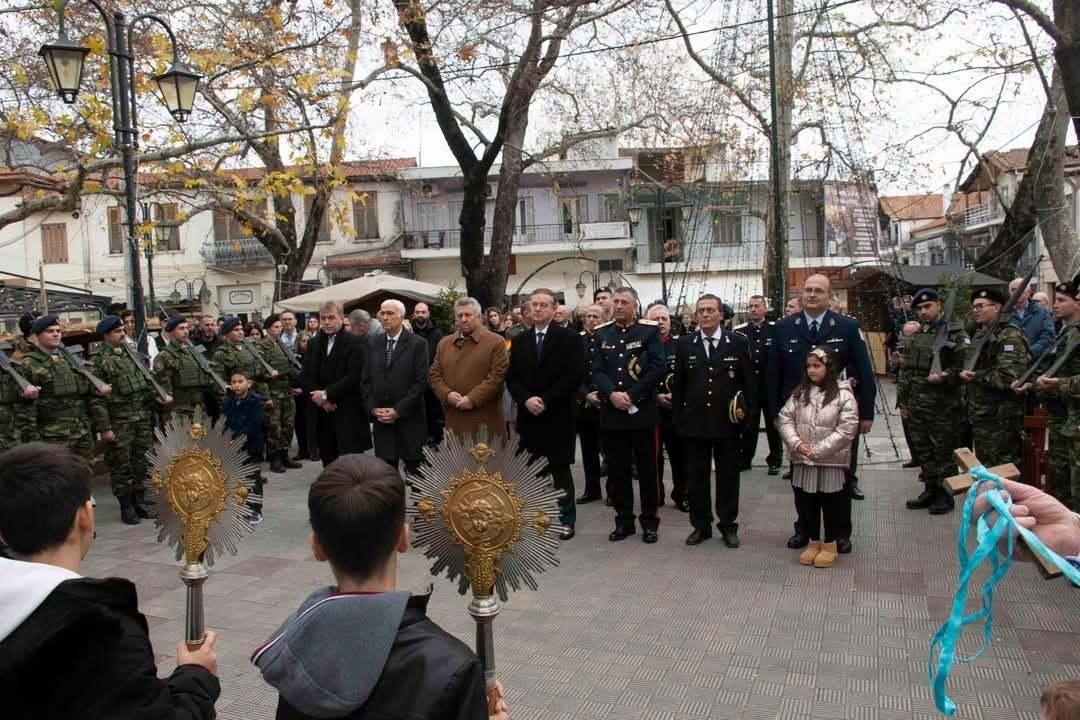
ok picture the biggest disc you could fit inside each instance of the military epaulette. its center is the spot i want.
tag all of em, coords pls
(604, 325)
(643, 321)
(740, 327)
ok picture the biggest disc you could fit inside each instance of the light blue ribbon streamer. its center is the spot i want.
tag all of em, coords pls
(987, 537)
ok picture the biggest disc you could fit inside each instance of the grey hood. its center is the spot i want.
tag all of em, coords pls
(327, 657)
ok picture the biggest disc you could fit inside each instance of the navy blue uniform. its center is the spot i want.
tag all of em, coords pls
(760, 340)
(630, 359)
(667, 439)
(588, 423)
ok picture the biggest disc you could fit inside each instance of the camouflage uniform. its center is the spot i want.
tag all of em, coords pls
(1065, 430)
(68, 411)
(230, 357)
(281, 414)
(933, 408)
(179, 373)
(995, 412)
(131, 415)
(13, 410)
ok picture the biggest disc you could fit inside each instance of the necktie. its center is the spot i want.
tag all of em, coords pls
(389, 352)
(539, 344)
(712, 346)
(813, 330)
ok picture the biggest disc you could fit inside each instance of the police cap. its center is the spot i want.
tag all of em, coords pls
(108, 324)
(991, 293)
(228, 325)
(43, 323)
(924, 295)
(173, 321)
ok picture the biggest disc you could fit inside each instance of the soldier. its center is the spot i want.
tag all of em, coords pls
(234, 355)
(627, 368)
(931, 402)
(179, 372)
(712, 367)
(130, 407)
(281, 411)
(759, 334)
(995, 414)
(588, 419)
(666, 439)
(13, 406)
(68, 410)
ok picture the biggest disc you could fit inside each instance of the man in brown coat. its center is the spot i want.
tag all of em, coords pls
(467, 373)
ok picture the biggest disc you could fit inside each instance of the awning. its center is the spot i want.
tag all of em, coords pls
(375, 285)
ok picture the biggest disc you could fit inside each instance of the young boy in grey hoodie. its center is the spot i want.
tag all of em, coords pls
(363, 649)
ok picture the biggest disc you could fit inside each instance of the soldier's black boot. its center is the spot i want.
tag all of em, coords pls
(287, 462)
(926, 497)
(276, 466)
(943, 502)
(139, 501)
(127, 511)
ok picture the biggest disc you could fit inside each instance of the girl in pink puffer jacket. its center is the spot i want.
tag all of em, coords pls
(818, 423)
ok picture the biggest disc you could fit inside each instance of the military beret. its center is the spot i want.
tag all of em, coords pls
(1068, 288)
(991, 293)
(924, 295)
(25, 323)
(173, 321)
(228, 325)
(108, 324)
(271, 320)
(43, 323)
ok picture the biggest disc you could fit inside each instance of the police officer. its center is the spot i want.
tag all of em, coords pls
(759, 334)
(667, 440)
(130, 407)
(588, 419)
(68, 410)
(179, 372)
(627, 367)
(993, 410)
(931, 401)
(280, 416)
(713, 369)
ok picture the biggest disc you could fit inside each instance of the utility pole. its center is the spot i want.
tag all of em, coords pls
(779, 276)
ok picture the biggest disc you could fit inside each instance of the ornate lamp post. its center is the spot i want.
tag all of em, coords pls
(178, 85)
(658, 195)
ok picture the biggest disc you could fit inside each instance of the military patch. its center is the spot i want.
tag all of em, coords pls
(1008, 348)
(835, 340)
(634, 345)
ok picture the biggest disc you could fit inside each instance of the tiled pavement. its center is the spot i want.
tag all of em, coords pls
(627, 631)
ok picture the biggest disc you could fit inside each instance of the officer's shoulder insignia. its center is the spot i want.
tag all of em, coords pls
(604, 325)
(744, 325)
(771, 322)
(643, 321)
(582, 333)
(798, 321)
(832, 321)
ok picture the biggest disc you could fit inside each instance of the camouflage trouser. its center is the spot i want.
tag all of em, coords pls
(1059, 465)
(185, 411)
(126, 456)
(9, 433)
(999, 436)
(76, 437)
(280, 417)
(934, 436)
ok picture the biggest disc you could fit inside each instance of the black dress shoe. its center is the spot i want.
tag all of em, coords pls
(797, 541)
(568, 533)
(698, 536)
(683, 505)
(731, 538)
(620, 534)
(585, 499)
(743, 467)
(926, 497)
(787, 475)
(774, 469)
(843, 545)
(856, 493)
(608, 502)
(910, 464)
(649, 536)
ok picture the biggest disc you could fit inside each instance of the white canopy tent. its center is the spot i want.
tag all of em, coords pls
(373, 286)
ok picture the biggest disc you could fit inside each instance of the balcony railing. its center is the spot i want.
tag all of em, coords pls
(238, 252)
(525, 235)
(981, 214)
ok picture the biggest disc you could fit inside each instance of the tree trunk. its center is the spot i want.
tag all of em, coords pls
(472, 221)
(1067, 17)
(503, 221)
(785, 88)
(1039, 197)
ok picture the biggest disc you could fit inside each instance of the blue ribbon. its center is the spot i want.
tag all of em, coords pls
(987, 538)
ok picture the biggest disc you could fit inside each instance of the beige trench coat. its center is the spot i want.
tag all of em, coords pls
(474, 367)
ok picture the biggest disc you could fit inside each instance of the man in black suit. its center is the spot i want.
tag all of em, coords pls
(395, 379)
(546, 365)
(759, 334)
(332, 376)
(795, 334)
(712, 366)
(422, 326)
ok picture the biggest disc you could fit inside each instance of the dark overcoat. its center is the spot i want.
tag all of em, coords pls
(341, 375)
(401, 387)
(555, 378)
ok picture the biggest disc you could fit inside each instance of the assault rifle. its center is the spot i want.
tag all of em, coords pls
(1006, 312)
(1063, 355)
(942, 342)
(250, 345)
(145, 372)
(204, 364)
(293, 360)
(79, 366)
(7, 367)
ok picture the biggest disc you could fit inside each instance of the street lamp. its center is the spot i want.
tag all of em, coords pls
(177, 85)
(658, 195)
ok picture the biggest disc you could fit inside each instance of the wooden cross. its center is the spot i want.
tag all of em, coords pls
(959, 484)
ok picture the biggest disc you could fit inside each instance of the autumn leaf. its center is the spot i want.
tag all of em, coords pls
(467, 53)
(390, 53)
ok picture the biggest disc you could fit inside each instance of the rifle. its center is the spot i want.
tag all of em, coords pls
(7, 367)
(293, 360)
(1034, 370)
(1062, 357)
(145, 372)
(250, 345)
(79, 366)
(204, 364)
(1006, 311)
(942, 342)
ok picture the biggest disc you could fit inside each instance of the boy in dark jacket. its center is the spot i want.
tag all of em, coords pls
(363, 649)
(245, 415)
(75, 647)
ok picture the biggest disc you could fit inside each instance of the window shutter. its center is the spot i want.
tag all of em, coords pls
(54, 246)
(116, 230)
